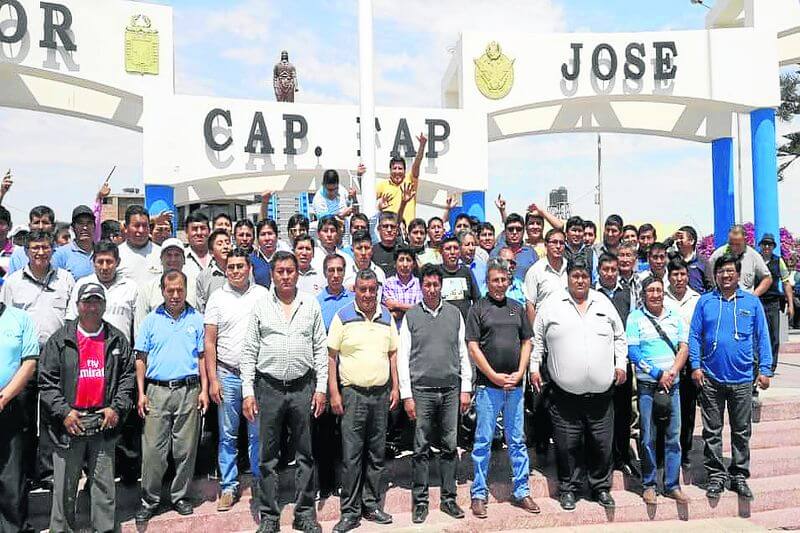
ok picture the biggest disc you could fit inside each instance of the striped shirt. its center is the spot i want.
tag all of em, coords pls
(285, 349)
(404, 293)
(646, 349)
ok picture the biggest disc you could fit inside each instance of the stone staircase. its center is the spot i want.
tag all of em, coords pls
(775, 481)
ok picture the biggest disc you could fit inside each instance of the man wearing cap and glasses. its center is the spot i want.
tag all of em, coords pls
(172, 394)
(76, 257)
(44, 292)
(86, 378)
(150, 296)
(780, 290)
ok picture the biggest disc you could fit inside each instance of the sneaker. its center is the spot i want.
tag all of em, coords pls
(226, 501)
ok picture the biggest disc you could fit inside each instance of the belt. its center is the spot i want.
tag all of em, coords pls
(286, 384)
(586, 395)
(376, 389)
(188, 381)
(230, 368)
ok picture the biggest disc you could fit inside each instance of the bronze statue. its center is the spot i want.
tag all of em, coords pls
(284, 79)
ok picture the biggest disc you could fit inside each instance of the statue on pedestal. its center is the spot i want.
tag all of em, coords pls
(284, 79)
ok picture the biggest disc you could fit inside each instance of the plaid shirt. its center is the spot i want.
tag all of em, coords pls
(285, 349)
(405, 293)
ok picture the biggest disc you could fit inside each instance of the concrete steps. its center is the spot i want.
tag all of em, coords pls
(775, 466)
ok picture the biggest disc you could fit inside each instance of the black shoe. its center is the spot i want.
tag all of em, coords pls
(183, 507)
(420, 513)
(714, 489)
(567, 500)
(452, 509)
(377, 516)
(46, 485)
(268, 525)
(145, 513)
(346, 524)
(306, 525)
(604, 498)
(739, 486)
(392, 450)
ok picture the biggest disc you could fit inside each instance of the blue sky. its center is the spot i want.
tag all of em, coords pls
(229, 52)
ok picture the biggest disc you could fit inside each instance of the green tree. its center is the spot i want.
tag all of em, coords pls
(789, 152)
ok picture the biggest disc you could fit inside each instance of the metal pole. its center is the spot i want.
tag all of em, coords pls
(739, 192)
(600, 180)
(367, 106)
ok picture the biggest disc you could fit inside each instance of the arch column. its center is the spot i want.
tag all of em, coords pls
(765, 173)
(160, 198)
(473, 203)
(722, 163)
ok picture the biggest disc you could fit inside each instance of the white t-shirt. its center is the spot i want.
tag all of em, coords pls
(230, 311)
(121, 299)
(142, 265)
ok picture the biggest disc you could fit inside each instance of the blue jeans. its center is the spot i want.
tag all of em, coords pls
(489, 401)
(229, 414)
(672, 436)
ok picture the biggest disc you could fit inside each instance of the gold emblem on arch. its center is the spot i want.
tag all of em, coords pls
(141, 46)
(494, 72)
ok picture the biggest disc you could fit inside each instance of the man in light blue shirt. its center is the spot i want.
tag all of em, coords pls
(727, 328)
(19, 351)
(172, 385)
(76, 257)
(657, 347)
(332, 198)
(334, 296)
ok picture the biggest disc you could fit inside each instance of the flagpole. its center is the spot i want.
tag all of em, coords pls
(599, 180)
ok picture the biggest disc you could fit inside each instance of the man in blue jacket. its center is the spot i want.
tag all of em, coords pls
(727, 327)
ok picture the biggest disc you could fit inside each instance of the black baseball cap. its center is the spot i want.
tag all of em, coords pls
(91, 290)
(80, 211)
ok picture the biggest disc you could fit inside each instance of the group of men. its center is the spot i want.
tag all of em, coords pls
(121, 347)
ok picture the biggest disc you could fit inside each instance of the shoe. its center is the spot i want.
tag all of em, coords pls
(183, 507)
(714, 489)
(739, 486)
(567, 500)
(346, 524)
(526, 504)
(452, 509)
(678, 495)
(226, 501)
(145, 513)
(306, 524)
(268, 525)
(649, 496)
(420, 513)
(478, 507)
(604, 498)
(377, 516)
(392, 450)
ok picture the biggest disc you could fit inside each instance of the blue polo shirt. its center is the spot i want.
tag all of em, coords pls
(525, 257)
(262, 272)
(724, 334)
(19, 341)
(648, 352)
(70, 257)
(173, 347)
(331, 303)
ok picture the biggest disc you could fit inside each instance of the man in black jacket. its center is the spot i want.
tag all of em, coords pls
(86, 379)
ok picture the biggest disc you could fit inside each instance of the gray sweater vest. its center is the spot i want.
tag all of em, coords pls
(434, 360)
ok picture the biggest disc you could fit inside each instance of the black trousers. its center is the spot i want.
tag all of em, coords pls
(773, 311)
(622, 421)
(326, 442)
(277, 406)
(363, 449)
(436, 408)
(128, 452)
(13, 498)
(583, 430)
(688, 392)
